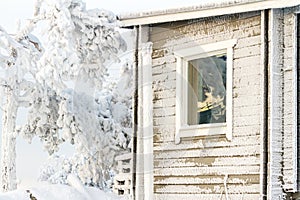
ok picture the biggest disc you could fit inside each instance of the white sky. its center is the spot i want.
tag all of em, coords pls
(30, 157)
(12, 10)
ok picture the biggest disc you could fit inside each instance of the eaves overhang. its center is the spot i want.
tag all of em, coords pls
(203, 10)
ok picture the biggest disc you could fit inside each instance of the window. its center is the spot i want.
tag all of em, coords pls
(204, 90)
(207, 90)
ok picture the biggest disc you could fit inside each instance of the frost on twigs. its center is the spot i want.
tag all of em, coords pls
(78, 40)
(99, 128)
(42, 118)
(16, 55)
(44, 77)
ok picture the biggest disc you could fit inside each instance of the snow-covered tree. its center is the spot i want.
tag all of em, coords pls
(73, 51)
(16, 53)
(106, 121)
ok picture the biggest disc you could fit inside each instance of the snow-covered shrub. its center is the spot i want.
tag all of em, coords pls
(56, 170)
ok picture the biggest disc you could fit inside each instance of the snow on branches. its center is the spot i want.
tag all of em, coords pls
(99, 127)
(59, 79)
(15, 63)
(78, 41)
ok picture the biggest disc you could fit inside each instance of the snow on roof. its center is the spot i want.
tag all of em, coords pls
(206, 9)
(202, 6)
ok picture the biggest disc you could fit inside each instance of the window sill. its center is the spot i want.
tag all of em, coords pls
(187, 131)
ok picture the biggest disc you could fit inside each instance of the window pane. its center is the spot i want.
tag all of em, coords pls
(207, 90)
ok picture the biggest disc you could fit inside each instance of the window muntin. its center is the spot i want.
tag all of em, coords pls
(207, 90)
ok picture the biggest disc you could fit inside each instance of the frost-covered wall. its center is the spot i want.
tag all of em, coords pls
(290, 102)
(298, 95)
(208, 167)
(275, 111)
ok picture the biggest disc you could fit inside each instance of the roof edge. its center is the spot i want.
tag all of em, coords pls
(204, 10)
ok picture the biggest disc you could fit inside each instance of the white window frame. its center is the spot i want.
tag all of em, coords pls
(183, 130)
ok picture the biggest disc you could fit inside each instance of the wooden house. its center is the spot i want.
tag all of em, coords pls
(216, 104)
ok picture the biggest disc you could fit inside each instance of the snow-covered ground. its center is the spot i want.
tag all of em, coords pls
(76, 191)
(58, 192)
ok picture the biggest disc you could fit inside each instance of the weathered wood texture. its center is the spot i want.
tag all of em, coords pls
(298, 99)
(289, 101)
(123, 180)
(275, 141)
(208, 167)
